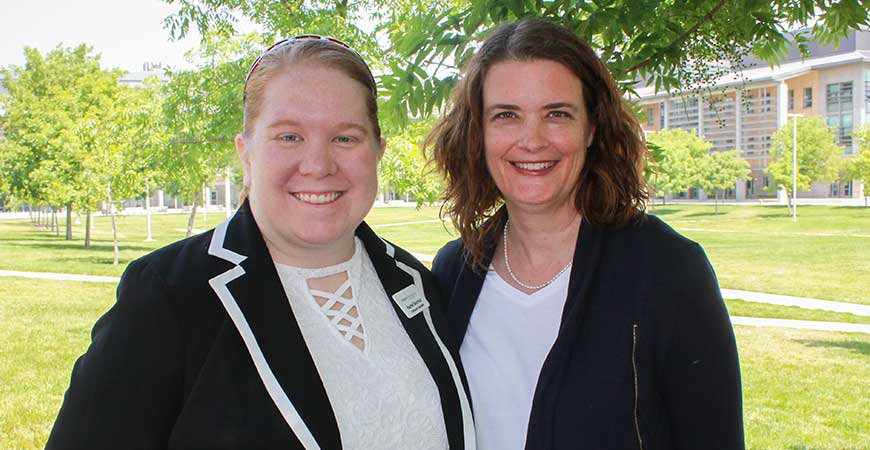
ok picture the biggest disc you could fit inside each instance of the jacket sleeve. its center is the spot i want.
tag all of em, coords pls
(125, 390)
(701, 369)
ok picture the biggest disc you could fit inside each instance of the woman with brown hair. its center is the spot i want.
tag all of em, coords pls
(583, 322)
(291, 325)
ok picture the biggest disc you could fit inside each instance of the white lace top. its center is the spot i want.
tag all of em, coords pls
(381, 392)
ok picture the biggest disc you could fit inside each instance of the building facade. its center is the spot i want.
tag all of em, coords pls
(744, 110)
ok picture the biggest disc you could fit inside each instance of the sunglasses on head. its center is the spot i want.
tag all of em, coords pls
(303, 37)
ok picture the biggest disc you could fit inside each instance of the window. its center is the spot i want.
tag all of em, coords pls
(847, 189)
(808, 97)
(766, 181)
(791, 99)
(650, 116)
(867, 96)
(662, 113)
(838, 100)
(835, 189)
(213, 198)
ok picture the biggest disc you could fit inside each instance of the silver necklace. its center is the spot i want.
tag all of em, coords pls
(511, 272)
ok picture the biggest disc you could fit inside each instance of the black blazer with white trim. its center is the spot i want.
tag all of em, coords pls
(201, 351)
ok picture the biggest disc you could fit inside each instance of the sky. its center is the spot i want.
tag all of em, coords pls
(127, 33)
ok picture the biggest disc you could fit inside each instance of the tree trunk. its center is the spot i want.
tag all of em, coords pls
(716, 202)
(69, 221)
(114, 227)
(788, 202)
(192, 217)
(88, 229)
(148, 237)
(54, 220)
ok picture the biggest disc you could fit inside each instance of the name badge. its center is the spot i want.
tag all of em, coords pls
(411, 300)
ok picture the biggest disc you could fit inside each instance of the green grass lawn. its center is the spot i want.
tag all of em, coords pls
(802, 389)
(825, 255)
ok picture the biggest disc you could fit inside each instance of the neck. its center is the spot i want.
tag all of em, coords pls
(310, 257)
(543, 237)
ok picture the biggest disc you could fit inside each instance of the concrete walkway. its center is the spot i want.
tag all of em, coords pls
(786, 300)
(775, 299)
(59, 276)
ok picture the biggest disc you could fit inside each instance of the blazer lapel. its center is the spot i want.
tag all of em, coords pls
(405, 289)
(255, 301)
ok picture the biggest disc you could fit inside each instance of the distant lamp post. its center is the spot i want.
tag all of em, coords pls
(794, 167)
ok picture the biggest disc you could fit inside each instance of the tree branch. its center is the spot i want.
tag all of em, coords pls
(679, 40)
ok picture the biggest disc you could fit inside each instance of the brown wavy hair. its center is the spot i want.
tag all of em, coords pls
(610, 190)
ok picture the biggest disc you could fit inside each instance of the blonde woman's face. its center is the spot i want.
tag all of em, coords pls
(310, 161)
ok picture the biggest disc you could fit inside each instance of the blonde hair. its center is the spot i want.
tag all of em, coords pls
(326, 53)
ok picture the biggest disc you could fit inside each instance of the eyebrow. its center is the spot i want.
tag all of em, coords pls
(340, 125)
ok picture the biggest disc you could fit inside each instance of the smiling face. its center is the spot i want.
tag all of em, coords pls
(310, 164)
(536, 132)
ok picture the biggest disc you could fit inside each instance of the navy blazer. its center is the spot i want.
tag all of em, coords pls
(645, 357)
(201, 351)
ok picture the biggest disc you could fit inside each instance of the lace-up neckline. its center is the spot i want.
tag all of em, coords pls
(338, 305)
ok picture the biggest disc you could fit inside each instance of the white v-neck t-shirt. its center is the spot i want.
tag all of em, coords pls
(508, 338)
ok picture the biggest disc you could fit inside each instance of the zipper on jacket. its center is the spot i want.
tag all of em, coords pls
(636, 391)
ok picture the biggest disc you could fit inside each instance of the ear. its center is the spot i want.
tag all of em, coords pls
(382, 146)
(591, 136)
(245, 157)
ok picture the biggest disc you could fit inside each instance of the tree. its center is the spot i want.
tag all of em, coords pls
(404, 169)
(672, 45)
(203, 114)
(819, 158)
(53, 117)
(859, 167)
(721, 170)
(676, 167)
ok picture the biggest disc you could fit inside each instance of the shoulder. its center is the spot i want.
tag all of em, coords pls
(448, 263)
(656, 244)
(452, 253)
(176, 264)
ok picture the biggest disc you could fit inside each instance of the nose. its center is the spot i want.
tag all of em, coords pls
(318, 161)
(533, 135)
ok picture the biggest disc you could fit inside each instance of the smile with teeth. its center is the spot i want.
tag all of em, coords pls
(317, 198)
(534, 165)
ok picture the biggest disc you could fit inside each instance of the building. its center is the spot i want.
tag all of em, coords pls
(745, 109)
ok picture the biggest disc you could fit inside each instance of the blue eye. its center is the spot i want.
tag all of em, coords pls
(345, 139)
(289, 138)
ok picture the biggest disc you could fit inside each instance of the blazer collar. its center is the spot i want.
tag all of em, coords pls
(256, 303)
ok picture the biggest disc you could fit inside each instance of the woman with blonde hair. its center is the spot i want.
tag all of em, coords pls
(291, 325)
(583, 322)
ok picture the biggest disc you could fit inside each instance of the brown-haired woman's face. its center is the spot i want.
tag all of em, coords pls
(536, 132)
(311, 159)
